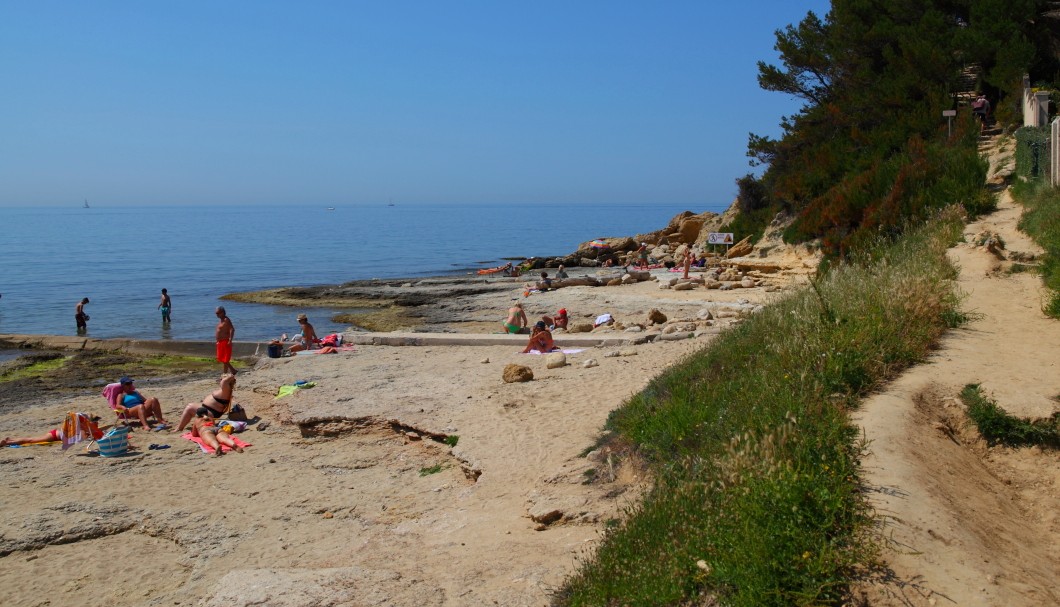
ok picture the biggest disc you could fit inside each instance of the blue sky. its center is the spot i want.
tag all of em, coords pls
(339, 103)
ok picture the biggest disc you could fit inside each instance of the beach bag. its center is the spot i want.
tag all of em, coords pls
(275, 349)
(237, 414)
(115, 442)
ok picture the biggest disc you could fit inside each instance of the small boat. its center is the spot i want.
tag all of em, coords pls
(391, 203)
(331, 208)
(86, 205)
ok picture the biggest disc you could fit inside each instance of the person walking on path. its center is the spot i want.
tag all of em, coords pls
(80, 317)
(165, 305)
(225, 334)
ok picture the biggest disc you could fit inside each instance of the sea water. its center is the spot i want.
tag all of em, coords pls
(121, 257)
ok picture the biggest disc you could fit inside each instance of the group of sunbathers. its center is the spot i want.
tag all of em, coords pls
(130, 404)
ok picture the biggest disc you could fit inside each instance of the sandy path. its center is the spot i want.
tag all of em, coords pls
(968, 524)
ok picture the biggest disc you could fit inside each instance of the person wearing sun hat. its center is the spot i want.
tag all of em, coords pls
(559, 321)
(133, 404)
(308, 338)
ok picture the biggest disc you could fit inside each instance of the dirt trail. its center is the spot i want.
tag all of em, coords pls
(965, 523)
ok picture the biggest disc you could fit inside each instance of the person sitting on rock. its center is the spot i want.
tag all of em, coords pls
(540, 339)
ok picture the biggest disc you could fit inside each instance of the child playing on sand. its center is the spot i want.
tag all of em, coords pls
(203, 427)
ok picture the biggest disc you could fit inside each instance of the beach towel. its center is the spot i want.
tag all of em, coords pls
(334, 340)
(289, 389)
(601, 319)
(565, 351)
(111, 393)
(77, 427)
(224, 448)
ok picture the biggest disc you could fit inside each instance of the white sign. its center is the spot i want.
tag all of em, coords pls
(719, 238)
(948, 113)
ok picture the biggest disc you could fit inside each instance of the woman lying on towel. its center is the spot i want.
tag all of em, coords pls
(52, 436)
(211, 434)
(540, 339)
(217, 403)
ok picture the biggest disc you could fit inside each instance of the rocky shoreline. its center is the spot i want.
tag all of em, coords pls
(444, 303)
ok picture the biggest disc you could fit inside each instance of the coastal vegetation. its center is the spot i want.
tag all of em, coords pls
(869, 150)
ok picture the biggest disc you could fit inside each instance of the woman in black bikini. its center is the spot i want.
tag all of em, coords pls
(217, 403)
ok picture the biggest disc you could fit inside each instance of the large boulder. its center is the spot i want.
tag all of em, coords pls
(687, 230)
(517, 373)
(556, 360)
(740, 249)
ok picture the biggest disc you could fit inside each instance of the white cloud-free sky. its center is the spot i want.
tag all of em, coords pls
(268, 102)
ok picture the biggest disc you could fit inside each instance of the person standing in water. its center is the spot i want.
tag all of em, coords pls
(80, 317)
(224, 335)
(165, 305)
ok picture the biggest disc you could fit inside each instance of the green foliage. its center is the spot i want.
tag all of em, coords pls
(429, 470)
(1032, 151)
(1041, 220)
(998, 427)
(911, 185)
(757, 499)
(751, 224)
(451, 440)
(868, 150)
(752, 194)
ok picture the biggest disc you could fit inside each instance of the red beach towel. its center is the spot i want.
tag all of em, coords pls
(224, 448)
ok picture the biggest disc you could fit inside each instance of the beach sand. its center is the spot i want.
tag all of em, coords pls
(350, 497)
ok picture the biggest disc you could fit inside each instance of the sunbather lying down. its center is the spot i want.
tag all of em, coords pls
(204, 428)
(51, 437)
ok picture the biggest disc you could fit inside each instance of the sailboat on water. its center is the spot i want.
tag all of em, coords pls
(86, 205)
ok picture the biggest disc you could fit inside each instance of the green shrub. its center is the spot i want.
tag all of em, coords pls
(998, 427)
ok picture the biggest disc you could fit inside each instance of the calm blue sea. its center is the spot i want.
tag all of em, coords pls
(122, 257)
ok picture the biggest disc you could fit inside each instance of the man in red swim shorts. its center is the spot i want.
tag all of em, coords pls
(224, 335)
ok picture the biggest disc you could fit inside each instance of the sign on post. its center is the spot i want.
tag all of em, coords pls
(948, 115)
(719, 238)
